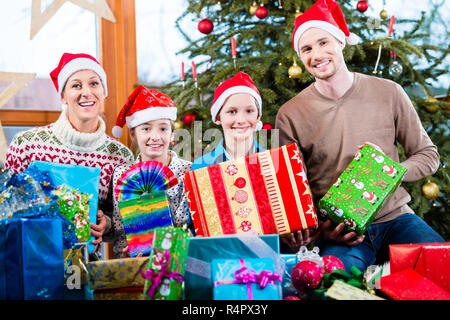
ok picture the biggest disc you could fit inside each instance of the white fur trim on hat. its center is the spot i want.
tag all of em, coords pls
(77, 65)
(215, 108)
(149, 114)
(336, 32)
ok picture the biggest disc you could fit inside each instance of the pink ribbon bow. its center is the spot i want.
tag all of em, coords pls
(156, 277)
(249, 276)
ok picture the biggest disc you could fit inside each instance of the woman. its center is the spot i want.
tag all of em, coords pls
(150, 115)
(237, 107)
(78, 136)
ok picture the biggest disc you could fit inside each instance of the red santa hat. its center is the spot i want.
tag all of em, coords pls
(325, 15)
(240, 83)
(73, 62)
(144, 105)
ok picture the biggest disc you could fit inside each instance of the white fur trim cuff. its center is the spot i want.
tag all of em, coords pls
(77, 65)
(215, 108)
(149, 114)
(337, 33)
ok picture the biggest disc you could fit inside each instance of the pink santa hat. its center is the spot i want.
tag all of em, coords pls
(73, 62)
(144, 105)
(325, 15)
(240, 83)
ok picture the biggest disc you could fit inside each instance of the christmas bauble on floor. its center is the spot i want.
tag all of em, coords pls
(306, 275)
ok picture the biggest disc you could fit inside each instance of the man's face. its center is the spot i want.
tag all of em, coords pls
(321, 53)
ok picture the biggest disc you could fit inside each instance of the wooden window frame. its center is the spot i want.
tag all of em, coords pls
(117, 49)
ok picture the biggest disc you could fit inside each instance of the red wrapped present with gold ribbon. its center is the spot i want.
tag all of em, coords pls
(263, 193)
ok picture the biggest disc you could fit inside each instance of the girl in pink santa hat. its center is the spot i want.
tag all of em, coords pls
(150, 115)
(237, 108)
(78, 136)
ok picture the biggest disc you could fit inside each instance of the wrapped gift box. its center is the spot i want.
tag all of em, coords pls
(198, 281)
(119, 294)
(410, 285)
(245, 279)
(263, 193)
(31, 259)
(141, 216)
(85, 180)
(340, 290)
(290, 260)
(431, 260)
(76, 281)
(117, 273)
(165, 274)
(362, 189)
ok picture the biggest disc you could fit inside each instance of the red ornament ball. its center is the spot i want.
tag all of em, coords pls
(261, 12)
(205, 26)
(362, 6)
(267, 126)
(292, 297)
(188, 119)
(331, 263)
(306, 275)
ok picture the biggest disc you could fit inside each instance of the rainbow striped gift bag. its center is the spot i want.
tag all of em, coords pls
(141, 216)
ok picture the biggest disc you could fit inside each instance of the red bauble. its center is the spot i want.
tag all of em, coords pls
(267, 126)
(362, 6)
(293, 297)
(261, 12)
(188, 119)
(205, 26)
(331, 263)
(306, 275)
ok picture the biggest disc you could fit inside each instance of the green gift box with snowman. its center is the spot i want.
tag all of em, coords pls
(165, 274)
(362, 189)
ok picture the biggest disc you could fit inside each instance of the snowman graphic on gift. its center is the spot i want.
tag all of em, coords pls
(378, 158)
(369, 196)
(358, 184)
(337, 211)
(167, 241)
(338, 182)
(165, 288)
(390, 170)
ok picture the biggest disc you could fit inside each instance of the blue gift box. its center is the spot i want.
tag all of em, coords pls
(197, 277)
(290, 260)
(31, 259)
(230, 279)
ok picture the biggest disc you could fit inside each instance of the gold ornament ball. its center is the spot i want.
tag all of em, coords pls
(432, 107)
(384, 14)
(253, 8)
(298, 13)
(178, 124)
(295, 71)
(430, 190)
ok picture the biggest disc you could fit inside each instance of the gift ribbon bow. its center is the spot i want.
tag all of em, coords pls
(249, 276)
(156, 277)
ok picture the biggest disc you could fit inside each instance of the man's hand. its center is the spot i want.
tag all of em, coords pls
(300, 238)
(97, 230)
(336, 235)
(370, 144)
(126, 253)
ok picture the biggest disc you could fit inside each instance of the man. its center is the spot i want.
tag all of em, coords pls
(333, 118)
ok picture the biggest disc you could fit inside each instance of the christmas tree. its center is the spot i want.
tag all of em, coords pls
(262, 32)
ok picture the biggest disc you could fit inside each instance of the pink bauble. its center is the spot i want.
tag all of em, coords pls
(331, 263)
(306, 275)
(292, 297)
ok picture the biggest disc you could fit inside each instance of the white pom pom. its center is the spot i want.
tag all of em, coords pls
(117, 131)
(259, 126)
(353, 39)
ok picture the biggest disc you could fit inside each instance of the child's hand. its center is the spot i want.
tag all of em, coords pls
(126, 253)
(300, 238)
(336, 234)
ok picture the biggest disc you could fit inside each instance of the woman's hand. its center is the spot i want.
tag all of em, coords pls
(97, 230)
